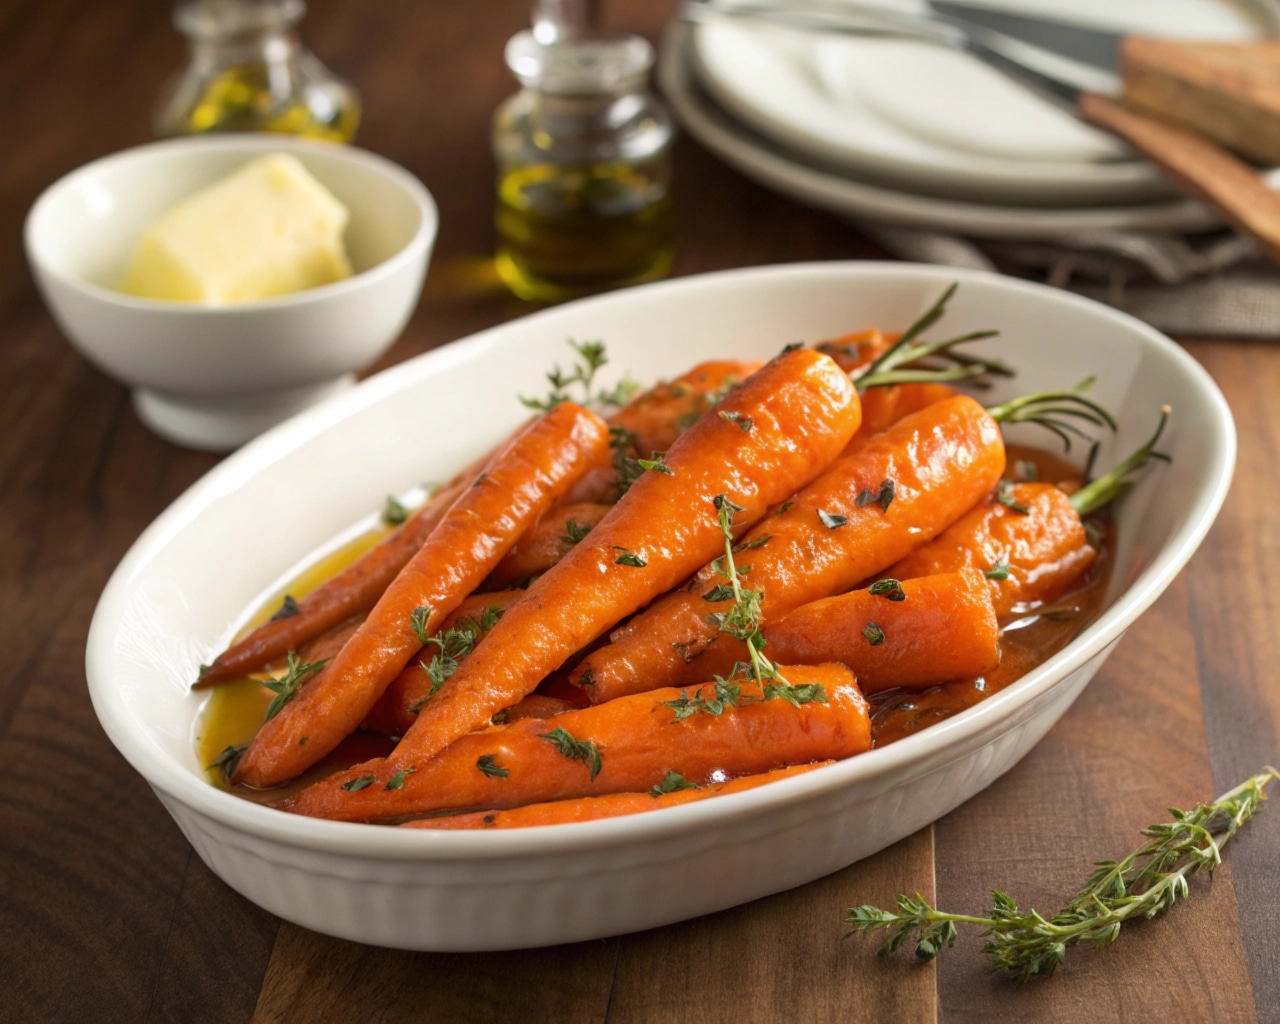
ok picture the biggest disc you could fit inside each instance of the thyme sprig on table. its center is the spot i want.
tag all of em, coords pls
(1144, 884)
(591, 357)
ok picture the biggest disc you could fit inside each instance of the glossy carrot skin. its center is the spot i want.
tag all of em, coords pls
(802, 409)
(945, 629)
(1046, 548)
(517, 487)
(391, 714)
(942, 459)
(656, 417)
(536, 705)
(595, 808)
(883, 407)
(351, 592)
(639, 740)
(545, 543)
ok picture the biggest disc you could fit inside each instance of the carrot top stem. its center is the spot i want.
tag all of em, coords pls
(1055, 410)
(907, 361)
(1110, 486)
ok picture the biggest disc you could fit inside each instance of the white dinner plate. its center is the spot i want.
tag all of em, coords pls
(913, 116)
(862, 202)
(183, 588)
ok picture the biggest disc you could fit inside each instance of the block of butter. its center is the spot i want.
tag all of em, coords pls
(268, 229)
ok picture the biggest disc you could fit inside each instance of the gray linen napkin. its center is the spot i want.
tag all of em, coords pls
(1214, 284)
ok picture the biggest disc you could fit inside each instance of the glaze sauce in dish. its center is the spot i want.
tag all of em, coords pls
(234, 711)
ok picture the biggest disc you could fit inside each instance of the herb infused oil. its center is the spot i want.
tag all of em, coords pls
(584, 169)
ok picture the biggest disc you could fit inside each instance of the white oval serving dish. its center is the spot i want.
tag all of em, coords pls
(184, 587)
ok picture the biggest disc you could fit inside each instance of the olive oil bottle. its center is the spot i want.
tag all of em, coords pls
(248, 71)
(583, 153)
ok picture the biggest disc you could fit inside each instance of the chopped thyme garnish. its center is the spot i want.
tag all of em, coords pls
(397, 780)
(288, 609)
(363, 782)
(418, 620)
(784, 507)
(999, 571)
(751, 545)
(629, 558)
(485, 762)
(873, 633)
(575, 749)
(573, 533)
(586, 678)
(393, 512)
(287, 686)
(831, 520)
(673, 783)
(724, 695)
(744, 422)
(1004, 495)
(626, 467)
(805, 693)
(890, 589)
(655, 462)
(883, 495)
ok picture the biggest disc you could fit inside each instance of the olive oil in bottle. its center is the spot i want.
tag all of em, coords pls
(584, 168)
(248, 71)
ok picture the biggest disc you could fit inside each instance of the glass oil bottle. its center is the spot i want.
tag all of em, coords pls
(248, 71)
(583, 156)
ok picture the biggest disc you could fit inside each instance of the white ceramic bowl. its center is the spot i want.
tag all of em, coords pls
(214, 377)
(181, 591)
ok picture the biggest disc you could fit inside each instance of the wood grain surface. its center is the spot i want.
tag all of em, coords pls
(105, 913)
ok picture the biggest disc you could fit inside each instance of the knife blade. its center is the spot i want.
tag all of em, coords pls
(1095, 47)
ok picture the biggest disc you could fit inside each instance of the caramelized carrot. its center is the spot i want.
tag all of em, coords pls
(883, 407)
(516, 488)
(547, 541)
(824, 540)
(613, 805)
(399, 704)
(941, 627)
(627, 745)
(351, 592)
(1032, 530)
(776, 432)
(653, 420)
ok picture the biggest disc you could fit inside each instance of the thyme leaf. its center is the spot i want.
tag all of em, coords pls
(287, 686)
(831, 520)
(397, 780)
(873, 633)
(418, 620)
(486, 763)
(288, 609)
(363, 782)
(1005, 495)
(575, 749)
(393, 512)
(655, 462)
(629, 558)
(573, 533)
(744, 422)
(889, 589)
(999, 571)
(673, 783)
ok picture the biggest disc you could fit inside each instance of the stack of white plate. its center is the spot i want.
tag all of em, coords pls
(904, 133)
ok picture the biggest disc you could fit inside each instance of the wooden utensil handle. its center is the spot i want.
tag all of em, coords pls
(1197, 167)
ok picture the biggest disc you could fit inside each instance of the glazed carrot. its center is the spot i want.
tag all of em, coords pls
(331, 641)
(774, 433)
(943, 627)
(824, 540)
(547, 541)
(536, 705)
(350, 593)
(627, 745)
(517, 487)
(399, 704)
(653, 420)
(883, 407)
(613, 805)
(1044, 548)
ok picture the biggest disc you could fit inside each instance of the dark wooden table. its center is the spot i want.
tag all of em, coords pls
(107, 915)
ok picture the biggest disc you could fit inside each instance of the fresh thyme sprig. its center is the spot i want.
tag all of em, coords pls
(287, 686)
(1111, 485)
(908, 361)
(742, 622)
(1055, 411)
(452, 645)
(591, 357)
(1144, 884)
